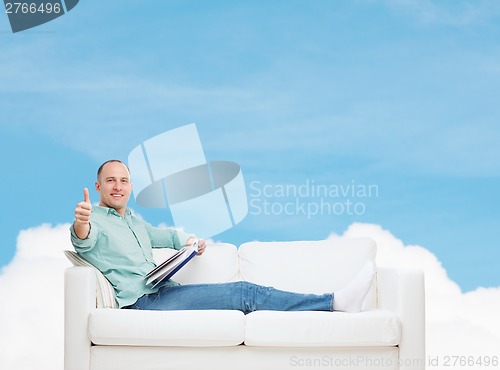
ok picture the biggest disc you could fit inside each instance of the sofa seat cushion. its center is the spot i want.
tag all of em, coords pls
(167, 328)
(322, 329)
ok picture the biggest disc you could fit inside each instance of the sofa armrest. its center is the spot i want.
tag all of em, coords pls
(403, 292)
(79, 301)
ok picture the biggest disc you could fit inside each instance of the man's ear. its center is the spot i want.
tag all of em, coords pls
(98, 186)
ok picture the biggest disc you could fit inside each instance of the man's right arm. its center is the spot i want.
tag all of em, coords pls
(81, 226)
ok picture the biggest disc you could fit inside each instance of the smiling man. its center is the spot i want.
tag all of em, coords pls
(115, 241)
(120, 245)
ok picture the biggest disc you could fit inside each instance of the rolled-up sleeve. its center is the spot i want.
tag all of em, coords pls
(167, 238)
(83, 245)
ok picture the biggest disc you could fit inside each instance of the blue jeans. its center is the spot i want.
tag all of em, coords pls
(241, 296)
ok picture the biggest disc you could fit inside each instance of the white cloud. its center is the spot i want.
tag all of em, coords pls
(457, 324)
(31, 314)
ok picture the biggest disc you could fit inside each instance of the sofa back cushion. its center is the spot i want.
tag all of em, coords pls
(219, 264)
(307, 266)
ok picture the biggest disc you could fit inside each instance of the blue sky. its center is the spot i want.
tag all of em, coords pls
(402, 95)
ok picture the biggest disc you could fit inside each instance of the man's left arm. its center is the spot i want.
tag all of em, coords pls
(171, 238)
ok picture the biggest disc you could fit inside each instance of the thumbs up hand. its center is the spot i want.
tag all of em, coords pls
(86, 196)
(82, 216)
(83, 209)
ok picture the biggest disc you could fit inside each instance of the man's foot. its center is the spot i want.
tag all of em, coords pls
(351, 297)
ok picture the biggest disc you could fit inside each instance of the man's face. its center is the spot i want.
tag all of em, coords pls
(114, 186)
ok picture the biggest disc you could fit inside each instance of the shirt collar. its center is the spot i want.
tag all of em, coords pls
(110, 211)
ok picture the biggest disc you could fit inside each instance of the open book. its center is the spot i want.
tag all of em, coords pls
(171, 265)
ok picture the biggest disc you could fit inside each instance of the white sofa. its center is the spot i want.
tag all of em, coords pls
(388, 334)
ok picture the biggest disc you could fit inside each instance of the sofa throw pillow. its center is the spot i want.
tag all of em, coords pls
(105, 294)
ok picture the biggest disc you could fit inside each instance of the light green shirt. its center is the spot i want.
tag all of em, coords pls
(120, 247)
